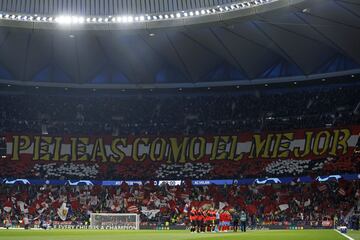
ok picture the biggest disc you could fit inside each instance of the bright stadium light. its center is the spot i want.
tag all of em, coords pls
(74, 19)
(63, 19)
(123, 19)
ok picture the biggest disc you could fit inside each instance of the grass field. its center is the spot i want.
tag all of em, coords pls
(354, 234)
(171, 235)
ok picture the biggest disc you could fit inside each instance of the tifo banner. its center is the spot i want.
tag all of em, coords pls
(193, 155)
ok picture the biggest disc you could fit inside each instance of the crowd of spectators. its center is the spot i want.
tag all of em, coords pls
(316, 204)
(181, 113)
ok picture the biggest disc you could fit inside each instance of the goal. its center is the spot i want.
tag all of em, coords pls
(128, 221)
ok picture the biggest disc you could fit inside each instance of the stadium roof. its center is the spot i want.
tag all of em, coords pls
(309, 39)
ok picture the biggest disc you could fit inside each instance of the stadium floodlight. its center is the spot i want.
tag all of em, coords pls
(123, 19)
(124, 221)
(130, 19)
(63, 19)
(74, 19)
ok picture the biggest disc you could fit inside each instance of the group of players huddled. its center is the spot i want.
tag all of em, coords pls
(211, 220)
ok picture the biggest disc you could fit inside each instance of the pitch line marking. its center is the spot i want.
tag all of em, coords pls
(348, 237)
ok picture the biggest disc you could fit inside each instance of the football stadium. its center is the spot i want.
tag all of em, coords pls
(179, 119)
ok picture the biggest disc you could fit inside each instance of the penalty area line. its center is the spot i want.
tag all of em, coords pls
(343, 234)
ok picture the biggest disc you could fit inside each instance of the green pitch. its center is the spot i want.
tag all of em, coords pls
(170, 235)
(354, 234)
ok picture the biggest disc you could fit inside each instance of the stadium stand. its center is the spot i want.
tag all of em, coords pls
(277, 109)
(266, 205)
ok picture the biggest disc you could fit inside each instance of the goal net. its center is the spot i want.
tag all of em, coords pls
(129, 221)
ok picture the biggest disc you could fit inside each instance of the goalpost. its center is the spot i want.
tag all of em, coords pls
(126, 221)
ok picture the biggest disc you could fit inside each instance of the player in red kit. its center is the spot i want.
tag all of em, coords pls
(193, 219)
